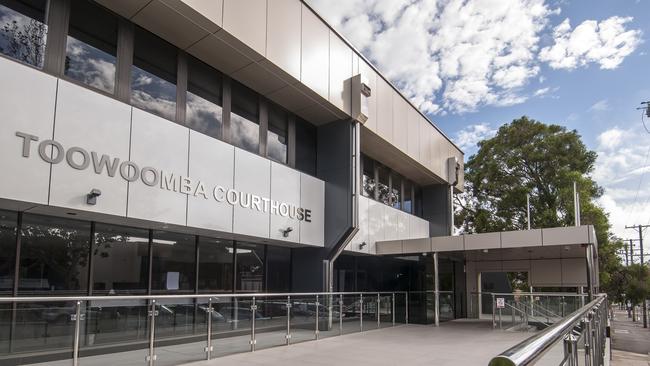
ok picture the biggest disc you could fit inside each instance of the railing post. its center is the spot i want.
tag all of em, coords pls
(208, 347)
(288, 335)
(494, 323)
(77, 327)
(151, 358)
(340, 314)
(406, 318)
(253, 314)
(500, 322)
(361, 313)
(378, 309)
(393, 308)
(316, 333)
(562, 306)
(571, 349)
(589, 344)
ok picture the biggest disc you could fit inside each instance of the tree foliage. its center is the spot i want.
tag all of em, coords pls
(530, 157)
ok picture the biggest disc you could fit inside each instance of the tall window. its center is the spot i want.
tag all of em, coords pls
(276, 142)
(153, 75)
(368, 180)
(92, 46)
(204, 99)
(383, 185)
(120, 260)
(408, 197)
(173, 262)
(23, 31)
(215, 265)
(396, 191)
(54, 255)
(8, 221)
(245, 118)
(250, 267)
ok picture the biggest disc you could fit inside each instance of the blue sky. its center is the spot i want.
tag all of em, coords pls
(474, 65)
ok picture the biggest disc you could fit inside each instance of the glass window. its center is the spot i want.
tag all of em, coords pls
(305, 147)
(368, 181)
(383, 190)
(125, 249)
(250, 267)
(92, 46)
(173, 262)
(215, 265)
(244, 119)
(8, 222)
(204, 99)
(23, 31)
(278, 272)
(396, 191)
(54, 255)
(276, 142)
(408, 197)
(153, 75)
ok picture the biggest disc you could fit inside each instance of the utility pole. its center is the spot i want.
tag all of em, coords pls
(640, 228)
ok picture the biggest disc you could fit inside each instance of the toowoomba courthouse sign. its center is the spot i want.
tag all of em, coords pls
(53, 152)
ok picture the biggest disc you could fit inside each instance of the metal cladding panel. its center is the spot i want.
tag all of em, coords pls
(403, 227)
(162, 145)
(447, 243)
(208, 213)
(252, 175)
(426, 143)
(98, 125)
(283, 35)
(390, 247)
(164, 21)
(340, 74)
(362, 235)
(384, 110)
(312, 197)
(391, 221)
(315, 53)
(483, 241)
(546, 272)
(566, 235)
(285, 187)
(216, 52)
(413, 131)
(525, 238)
(400, 122)
(574, 272)
(246, 20)
(27, 106)
(416, 246)
(438, 158)
(211, 10)
(375, 223)
(418, 228)
(370, 76)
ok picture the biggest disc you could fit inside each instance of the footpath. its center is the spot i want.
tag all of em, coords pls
(630, 341)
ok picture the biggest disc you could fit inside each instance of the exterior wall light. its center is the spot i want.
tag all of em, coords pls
(91, 198)
(285, 232)
(362, 245)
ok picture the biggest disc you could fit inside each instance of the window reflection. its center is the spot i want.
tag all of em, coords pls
(23, 31)
(408, 197)
(215, 265)
(250, 267)
(382, 187)
(173, 262)
(306, 140)
(92, 46)
(8, 221)
(396, 191)
(276, 144)
(153, 75)
(244, 119)
(204, 100)
(368, 177)
(124, 248)
(54, 255)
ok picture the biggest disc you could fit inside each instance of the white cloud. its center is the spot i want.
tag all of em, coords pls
(600, 106)
(459, 55)
(468, 138)
(610, 139)
(545, 92)
(606, 43)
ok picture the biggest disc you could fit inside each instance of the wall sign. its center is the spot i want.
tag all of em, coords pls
(80, 159)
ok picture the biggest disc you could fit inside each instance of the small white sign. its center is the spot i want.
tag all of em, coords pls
(172, 280)
(501, 302)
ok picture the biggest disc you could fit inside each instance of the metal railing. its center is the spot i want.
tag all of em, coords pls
(103, 325)
(582, 332)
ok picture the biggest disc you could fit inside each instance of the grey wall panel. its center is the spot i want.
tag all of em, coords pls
(246, 21)
(212, 11)
(391, 221)
(483, 241)
(525, 238)
(370, 76)
(163, 145)
(362, 235)
(283, 35)
(312, 196)
(400, 122)
(566, 235)
(545, 273)
(376, 225)
(413, 131)
(416, 246)
(27, 105)
(384, 110)
(285, 187)
(574, 272)
(97, 124)
(390, 247)
(403, 231)
(340, 74)
(165, 21)
(252, 175)
(315, 53)
(426, 143)
(436, 209)
(447, 243)
(212, 162)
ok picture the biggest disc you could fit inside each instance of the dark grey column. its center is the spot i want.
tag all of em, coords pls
(436, 208)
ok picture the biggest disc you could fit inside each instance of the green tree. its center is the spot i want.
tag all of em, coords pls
(530, 157)
(637, 283)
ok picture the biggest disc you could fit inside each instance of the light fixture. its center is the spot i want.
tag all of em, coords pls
(286, 231)
(362, 245)
(91, 198)
(485, 250)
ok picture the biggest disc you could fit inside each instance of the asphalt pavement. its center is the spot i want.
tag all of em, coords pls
(630, 336)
